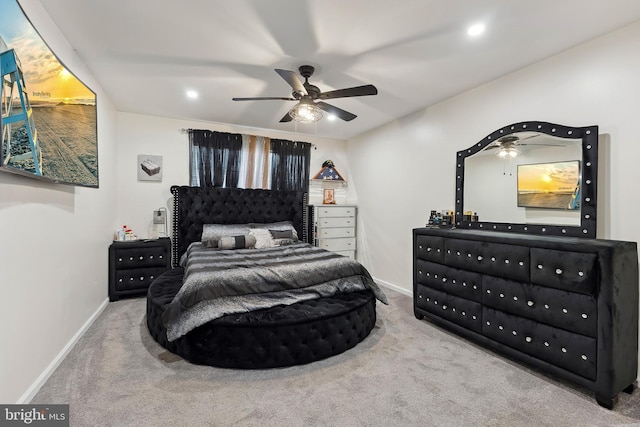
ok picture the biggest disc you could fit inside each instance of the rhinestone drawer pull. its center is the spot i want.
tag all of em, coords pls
(558, 271)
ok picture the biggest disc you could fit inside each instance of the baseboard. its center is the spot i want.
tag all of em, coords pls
(44, 376)
(394, 287)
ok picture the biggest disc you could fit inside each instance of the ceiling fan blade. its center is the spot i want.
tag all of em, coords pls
(293, 80)
(338, 112)
(264, 98)
(352, 91)
(286, 118)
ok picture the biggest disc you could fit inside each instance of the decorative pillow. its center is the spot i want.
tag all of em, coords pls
(263, 237)
(281, 234)
(278, 226)
(211, 233)
(283, 242)
(245, 241)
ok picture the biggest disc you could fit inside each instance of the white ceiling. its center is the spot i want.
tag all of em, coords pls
(147, 53)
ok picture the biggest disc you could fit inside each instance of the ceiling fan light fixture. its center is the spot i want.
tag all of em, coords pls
(508, 153)
(305, 112)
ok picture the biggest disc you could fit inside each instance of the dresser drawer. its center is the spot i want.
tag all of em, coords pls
(337, 211)
(450, 307)
(573, 352)
(566, 310)
(324, 233)
(337, 222)
(342, 244)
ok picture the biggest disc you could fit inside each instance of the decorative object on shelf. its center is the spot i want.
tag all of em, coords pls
(444, 218)
(329, 197)
(329, 172)
(149, 168)
(124, 234)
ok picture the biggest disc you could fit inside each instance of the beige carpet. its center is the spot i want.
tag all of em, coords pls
(406, 373)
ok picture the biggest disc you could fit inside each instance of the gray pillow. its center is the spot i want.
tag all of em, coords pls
(212, 233)
(245, 241)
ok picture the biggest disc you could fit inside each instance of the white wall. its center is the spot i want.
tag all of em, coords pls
(53, 250)
(140, 134)
(596, 83)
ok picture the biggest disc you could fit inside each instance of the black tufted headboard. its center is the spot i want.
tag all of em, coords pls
(195, 206)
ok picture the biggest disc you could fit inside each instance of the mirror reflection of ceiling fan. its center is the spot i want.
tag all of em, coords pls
(310, 98)
(508, 145)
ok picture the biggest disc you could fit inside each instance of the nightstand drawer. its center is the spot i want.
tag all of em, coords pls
(140, 257)
(336, 211)
(343, 244)
(325, 233)
(337, 222)
(137, 278)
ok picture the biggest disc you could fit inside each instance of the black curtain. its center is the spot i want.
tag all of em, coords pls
(215, 158)
(290, 164)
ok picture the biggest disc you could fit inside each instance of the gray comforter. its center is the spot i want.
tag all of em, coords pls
(221, 282)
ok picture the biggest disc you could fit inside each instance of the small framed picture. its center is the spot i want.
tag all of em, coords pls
(329, 198)
(149, 168)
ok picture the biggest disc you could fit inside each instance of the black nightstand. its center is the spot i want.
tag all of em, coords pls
(133, 265)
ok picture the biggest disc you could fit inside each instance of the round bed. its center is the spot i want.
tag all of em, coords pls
(279, 336)
(269, 338)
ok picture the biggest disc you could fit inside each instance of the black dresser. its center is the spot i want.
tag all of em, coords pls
(133, 265)
(567, 306)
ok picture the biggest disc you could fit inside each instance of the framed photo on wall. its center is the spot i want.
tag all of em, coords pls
(329, 197)
(149, 168)
(49, 116)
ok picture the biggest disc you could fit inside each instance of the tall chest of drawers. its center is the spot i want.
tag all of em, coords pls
(335, 228)
(564, 305)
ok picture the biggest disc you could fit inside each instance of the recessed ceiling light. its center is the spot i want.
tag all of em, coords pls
(192, 94)
(475, 30)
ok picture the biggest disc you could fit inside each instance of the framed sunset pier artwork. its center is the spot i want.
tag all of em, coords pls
(49, 117)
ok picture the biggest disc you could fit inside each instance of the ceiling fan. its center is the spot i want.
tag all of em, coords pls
(310, 98)
(508, 145)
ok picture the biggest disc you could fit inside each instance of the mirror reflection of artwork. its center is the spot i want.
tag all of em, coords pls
(149, 168)
(549, 185)
(48, 118)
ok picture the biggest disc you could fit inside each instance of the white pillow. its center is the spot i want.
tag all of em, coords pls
(263, 237)
(279, 226)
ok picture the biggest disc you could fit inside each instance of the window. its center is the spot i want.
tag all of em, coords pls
(222, 159)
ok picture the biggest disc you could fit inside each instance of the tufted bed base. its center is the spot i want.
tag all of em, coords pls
(275, 337)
